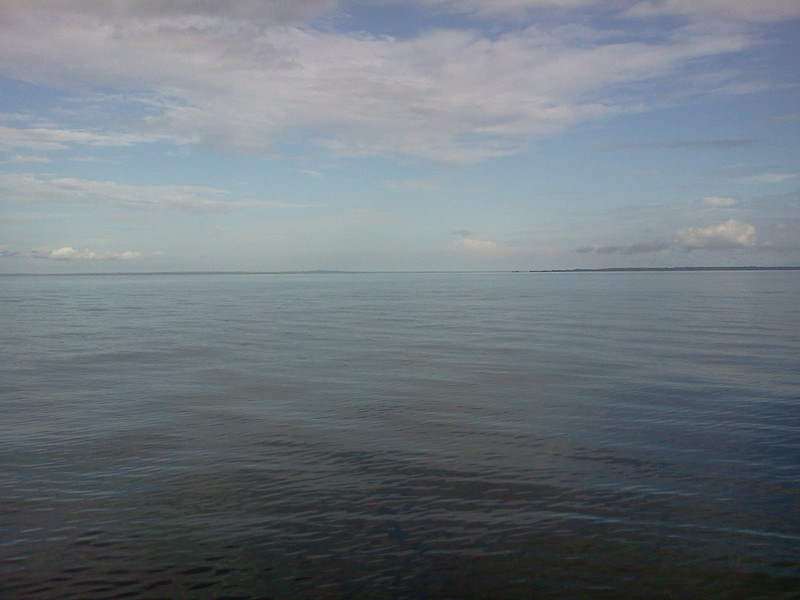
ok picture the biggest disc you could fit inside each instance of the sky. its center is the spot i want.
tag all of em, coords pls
(388, 135)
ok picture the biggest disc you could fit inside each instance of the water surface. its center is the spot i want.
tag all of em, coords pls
(592, 435)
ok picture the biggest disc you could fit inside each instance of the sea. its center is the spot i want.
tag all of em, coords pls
(400, 435)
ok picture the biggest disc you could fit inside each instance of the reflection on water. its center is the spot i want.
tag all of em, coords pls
(401, 436)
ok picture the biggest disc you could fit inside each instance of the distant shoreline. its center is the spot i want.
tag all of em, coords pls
(649, 269)
(334, 272)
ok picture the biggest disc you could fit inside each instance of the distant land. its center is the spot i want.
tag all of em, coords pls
(628, 269)
(334, 272)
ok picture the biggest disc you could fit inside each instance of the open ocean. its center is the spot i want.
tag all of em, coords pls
(389, 436)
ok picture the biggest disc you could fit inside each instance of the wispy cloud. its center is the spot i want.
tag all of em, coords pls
(483, 248)
(503, 8)
(54, 138)
(244, 78)
(724, 10)
(29, 188)
(738, 10)
(754, 174)
(25, 158)
(768, 178)
(673, 144)
(310, 173)
(68, 253)
(412, 185)
(718, 202)
(638, 248)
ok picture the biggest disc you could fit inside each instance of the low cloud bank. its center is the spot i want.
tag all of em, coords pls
(66, 253)
(727, 235)
(730, 234)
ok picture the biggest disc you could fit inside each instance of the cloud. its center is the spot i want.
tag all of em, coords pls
(28, 188)
(412, 185)
(718, 202)
(762, 223)
(752, 174)
(244, 77)
(727, 235)
(644, 247)
(69, 253)
(739, 10)
(484, 248)
(310, 173)
(730, 234)
(23, 158)
(196, 13)
(639, 248)
(768, 178)
(673, 144)
(505, 8)
(53, 138)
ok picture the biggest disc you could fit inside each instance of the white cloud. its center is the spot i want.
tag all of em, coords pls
(241, 78)
(70, 253)
(727, 235)
(718, 201)
(759, 223)
(53, 138)
(26, 188)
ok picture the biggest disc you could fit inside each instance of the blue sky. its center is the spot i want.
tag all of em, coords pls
(274, 135)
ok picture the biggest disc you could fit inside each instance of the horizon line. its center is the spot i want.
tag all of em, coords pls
(431, 271)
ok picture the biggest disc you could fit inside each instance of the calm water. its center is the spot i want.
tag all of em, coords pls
(591, 435)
